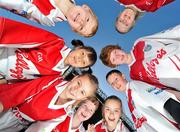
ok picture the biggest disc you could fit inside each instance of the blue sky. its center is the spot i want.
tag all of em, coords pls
(106, 11)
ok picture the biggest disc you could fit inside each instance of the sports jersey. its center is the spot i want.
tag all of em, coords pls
(145, 5)
(44, 12)
(101, 127)
(28, 52)
(146, 103)
(35, 100)
(56, 125)
(156, 59)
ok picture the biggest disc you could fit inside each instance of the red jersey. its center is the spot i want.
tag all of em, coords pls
(146, 5)
(35, 100)
(29, 52)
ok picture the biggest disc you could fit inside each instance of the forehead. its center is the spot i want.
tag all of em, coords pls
(113, 76)
(89, 104)
(112, 103)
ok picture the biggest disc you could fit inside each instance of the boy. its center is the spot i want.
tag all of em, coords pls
(133, 8)
(153, 59)
(80, 18)
(146, 103)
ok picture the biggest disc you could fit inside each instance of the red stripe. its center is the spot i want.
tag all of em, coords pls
(175, 63)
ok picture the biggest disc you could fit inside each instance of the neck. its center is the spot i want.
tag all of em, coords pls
(66, 60)
(75, 122)
(129, 59)
(64, 5)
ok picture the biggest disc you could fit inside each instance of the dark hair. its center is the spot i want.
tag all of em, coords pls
(91, 52)
(111, 72)
(113, 97)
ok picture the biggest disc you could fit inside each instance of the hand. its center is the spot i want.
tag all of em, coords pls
(91, 128)
(1, 107)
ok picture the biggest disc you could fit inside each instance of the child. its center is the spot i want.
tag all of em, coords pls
(153, 59)
(111, 122)
(80, 18)
(146, 103)
(44, 98)
(73, 122)
(133, 8)
(31, 52)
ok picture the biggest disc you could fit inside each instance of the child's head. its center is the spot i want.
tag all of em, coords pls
(81, 87)
(82, 20)
(126, 20)
(113, 55)
(82, 56)
(112, 111)
(117, 80)
(87, 108)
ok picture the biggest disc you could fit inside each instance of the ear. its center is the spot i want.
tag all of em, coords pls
(86, 7)
(123, 76)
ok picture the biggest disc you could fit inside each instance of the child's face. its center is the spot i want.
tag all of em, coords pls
(118, 57)
(86, 110)
(125, 20)
(79, 58)
(112, 112)
(117, 81)
(80, 88)
(81, 20)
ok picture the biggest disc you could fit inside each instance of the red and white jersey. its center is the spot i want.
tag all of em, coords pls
(146, 103)
(56, 125)
(101, 127)
(156, 59)
(29, 52)
(35, 100)
(44, 12)
(145, 5)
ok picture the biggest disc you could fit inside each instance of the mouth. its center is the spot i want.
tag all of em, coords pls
(84, 116)
(76, 17)
(111, 120)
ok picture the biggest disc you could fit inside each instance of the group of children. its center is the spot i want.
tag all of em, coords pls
(34, 96)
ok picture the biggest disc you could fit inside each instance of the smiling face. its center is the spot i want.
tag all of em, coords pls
(79, 58)
(80, 88)
(112, 112)
(82, 20)
(118, 57)
(125, 20)
(117, 81)
(86, 110)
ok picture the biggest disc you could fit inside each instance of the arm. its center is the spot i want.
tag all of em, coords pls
(26, 9)
(176, 93)
(25, 36)
(14, 94)
(171, 33)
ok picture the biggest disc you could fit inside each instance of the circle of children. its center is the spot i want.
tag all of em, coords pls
(34, 97)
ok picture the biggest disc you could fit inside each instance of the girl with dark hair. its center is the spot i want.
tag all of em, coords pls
(31, 52)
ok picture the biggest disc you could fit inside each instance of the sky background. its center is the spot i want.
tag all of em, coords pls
(107, 11)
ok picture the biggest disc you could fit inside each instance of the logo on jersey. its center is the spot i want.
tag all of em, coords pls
(147, 48)
(155, 91)
(17, 72)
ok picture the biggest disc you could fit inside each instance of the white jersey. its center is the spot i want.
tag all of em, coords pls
(44, 12)
(146, 103)
(156, 59)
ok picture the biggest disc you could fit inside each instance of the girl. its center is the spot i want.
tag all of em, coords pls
(74, 120)
(80, 18)
(32, 52)
(154, 59)
(44, 98)
(111, 121)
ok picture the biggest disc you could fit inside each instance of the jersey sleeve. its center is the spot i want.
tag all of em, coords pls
(27, 10)
(14, 34)
(15, 94)
(45, 126)
(170, 34)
